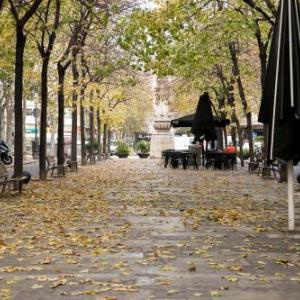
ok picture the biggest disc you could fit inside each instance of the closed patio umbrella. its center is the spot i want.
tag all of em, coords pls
(203, 122)
(280, 106)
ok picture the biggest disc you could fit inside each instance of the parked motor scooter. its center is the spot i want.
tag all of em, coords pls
(4, 153)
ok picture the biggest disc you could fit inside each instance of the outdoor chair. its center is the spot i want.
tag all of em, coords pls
(192, 160)
(165, 156)
(209, 159)
(220, 160)
(254, 167)
(178, 159)
(268, 171)
(231, 161)
(213, 160)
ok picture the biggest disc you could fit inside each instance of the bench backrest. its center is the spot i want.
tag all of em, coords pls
(3, 171)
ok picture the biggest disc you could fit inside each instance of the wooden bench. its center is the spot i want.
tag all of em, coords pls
(91, 158)
(61, 169)
(12, 184)
(72, 166)
(101, 156)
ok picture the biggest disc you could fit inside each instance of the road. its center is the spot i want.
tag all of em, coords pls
(32, 168)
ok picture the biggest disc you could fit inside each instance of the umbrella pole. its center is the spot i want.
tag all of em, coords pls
(290, 182)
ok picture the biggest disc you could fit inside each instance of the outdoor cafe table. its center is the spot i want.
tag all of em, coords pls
(177, 157)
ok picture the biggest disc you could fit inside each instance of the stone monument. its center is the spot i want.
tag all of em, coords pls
(162, 135)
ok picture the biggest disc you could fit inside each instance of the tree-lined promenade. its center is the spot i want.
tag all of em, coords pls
(133, 228)
(90, 55)
(68, 49)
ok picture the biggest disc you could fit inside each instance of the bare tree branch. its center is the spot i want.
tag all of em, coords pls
(257, 8)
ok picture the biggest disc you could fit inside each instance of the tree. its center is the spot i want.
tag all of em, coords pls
(78, 34)
(187, 39)
(265, 14)
(27, 10)
(247, 110)
(75, 75)
(7, 38)
(45, 46)
(83, 86)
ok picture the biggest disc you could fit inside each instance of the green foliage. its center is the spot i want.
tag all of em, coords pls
(189, 39)
(123, 148)
(143, 146)
(95, 145)
(259, 139)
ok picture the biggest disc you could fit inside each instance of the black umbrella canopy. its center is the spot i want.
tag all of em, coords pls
(203, 123)
(280, 106)
(187, 121)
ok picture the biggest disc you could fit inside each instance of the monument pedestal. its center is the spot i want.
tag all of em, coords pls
(162, 139)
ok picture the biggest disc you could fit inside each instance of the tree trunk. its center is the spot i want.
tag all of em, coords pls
(99, 131)
(238, 129)
(108, 140)
(24, 125)
(9, 122)
(233, 136)
(235, 120)
(82, 128)
(2, 123)
(92, 128)
(105, 138)
(225, 137)
(19, 65)
(52, 144)
(237, 75)
(74, 110)
(263, 47)
(61, 109)
(43, 122)
(282, 172)
(8, 111)
(219, 132)
(250, 136)
(241, 142)
(263, 62)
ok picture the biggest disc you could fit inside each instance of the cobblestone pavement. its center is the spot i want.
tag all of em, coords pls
(130, 229)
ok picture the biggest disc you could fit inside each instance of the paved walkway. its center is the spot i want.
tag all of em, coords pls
(130, 229)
